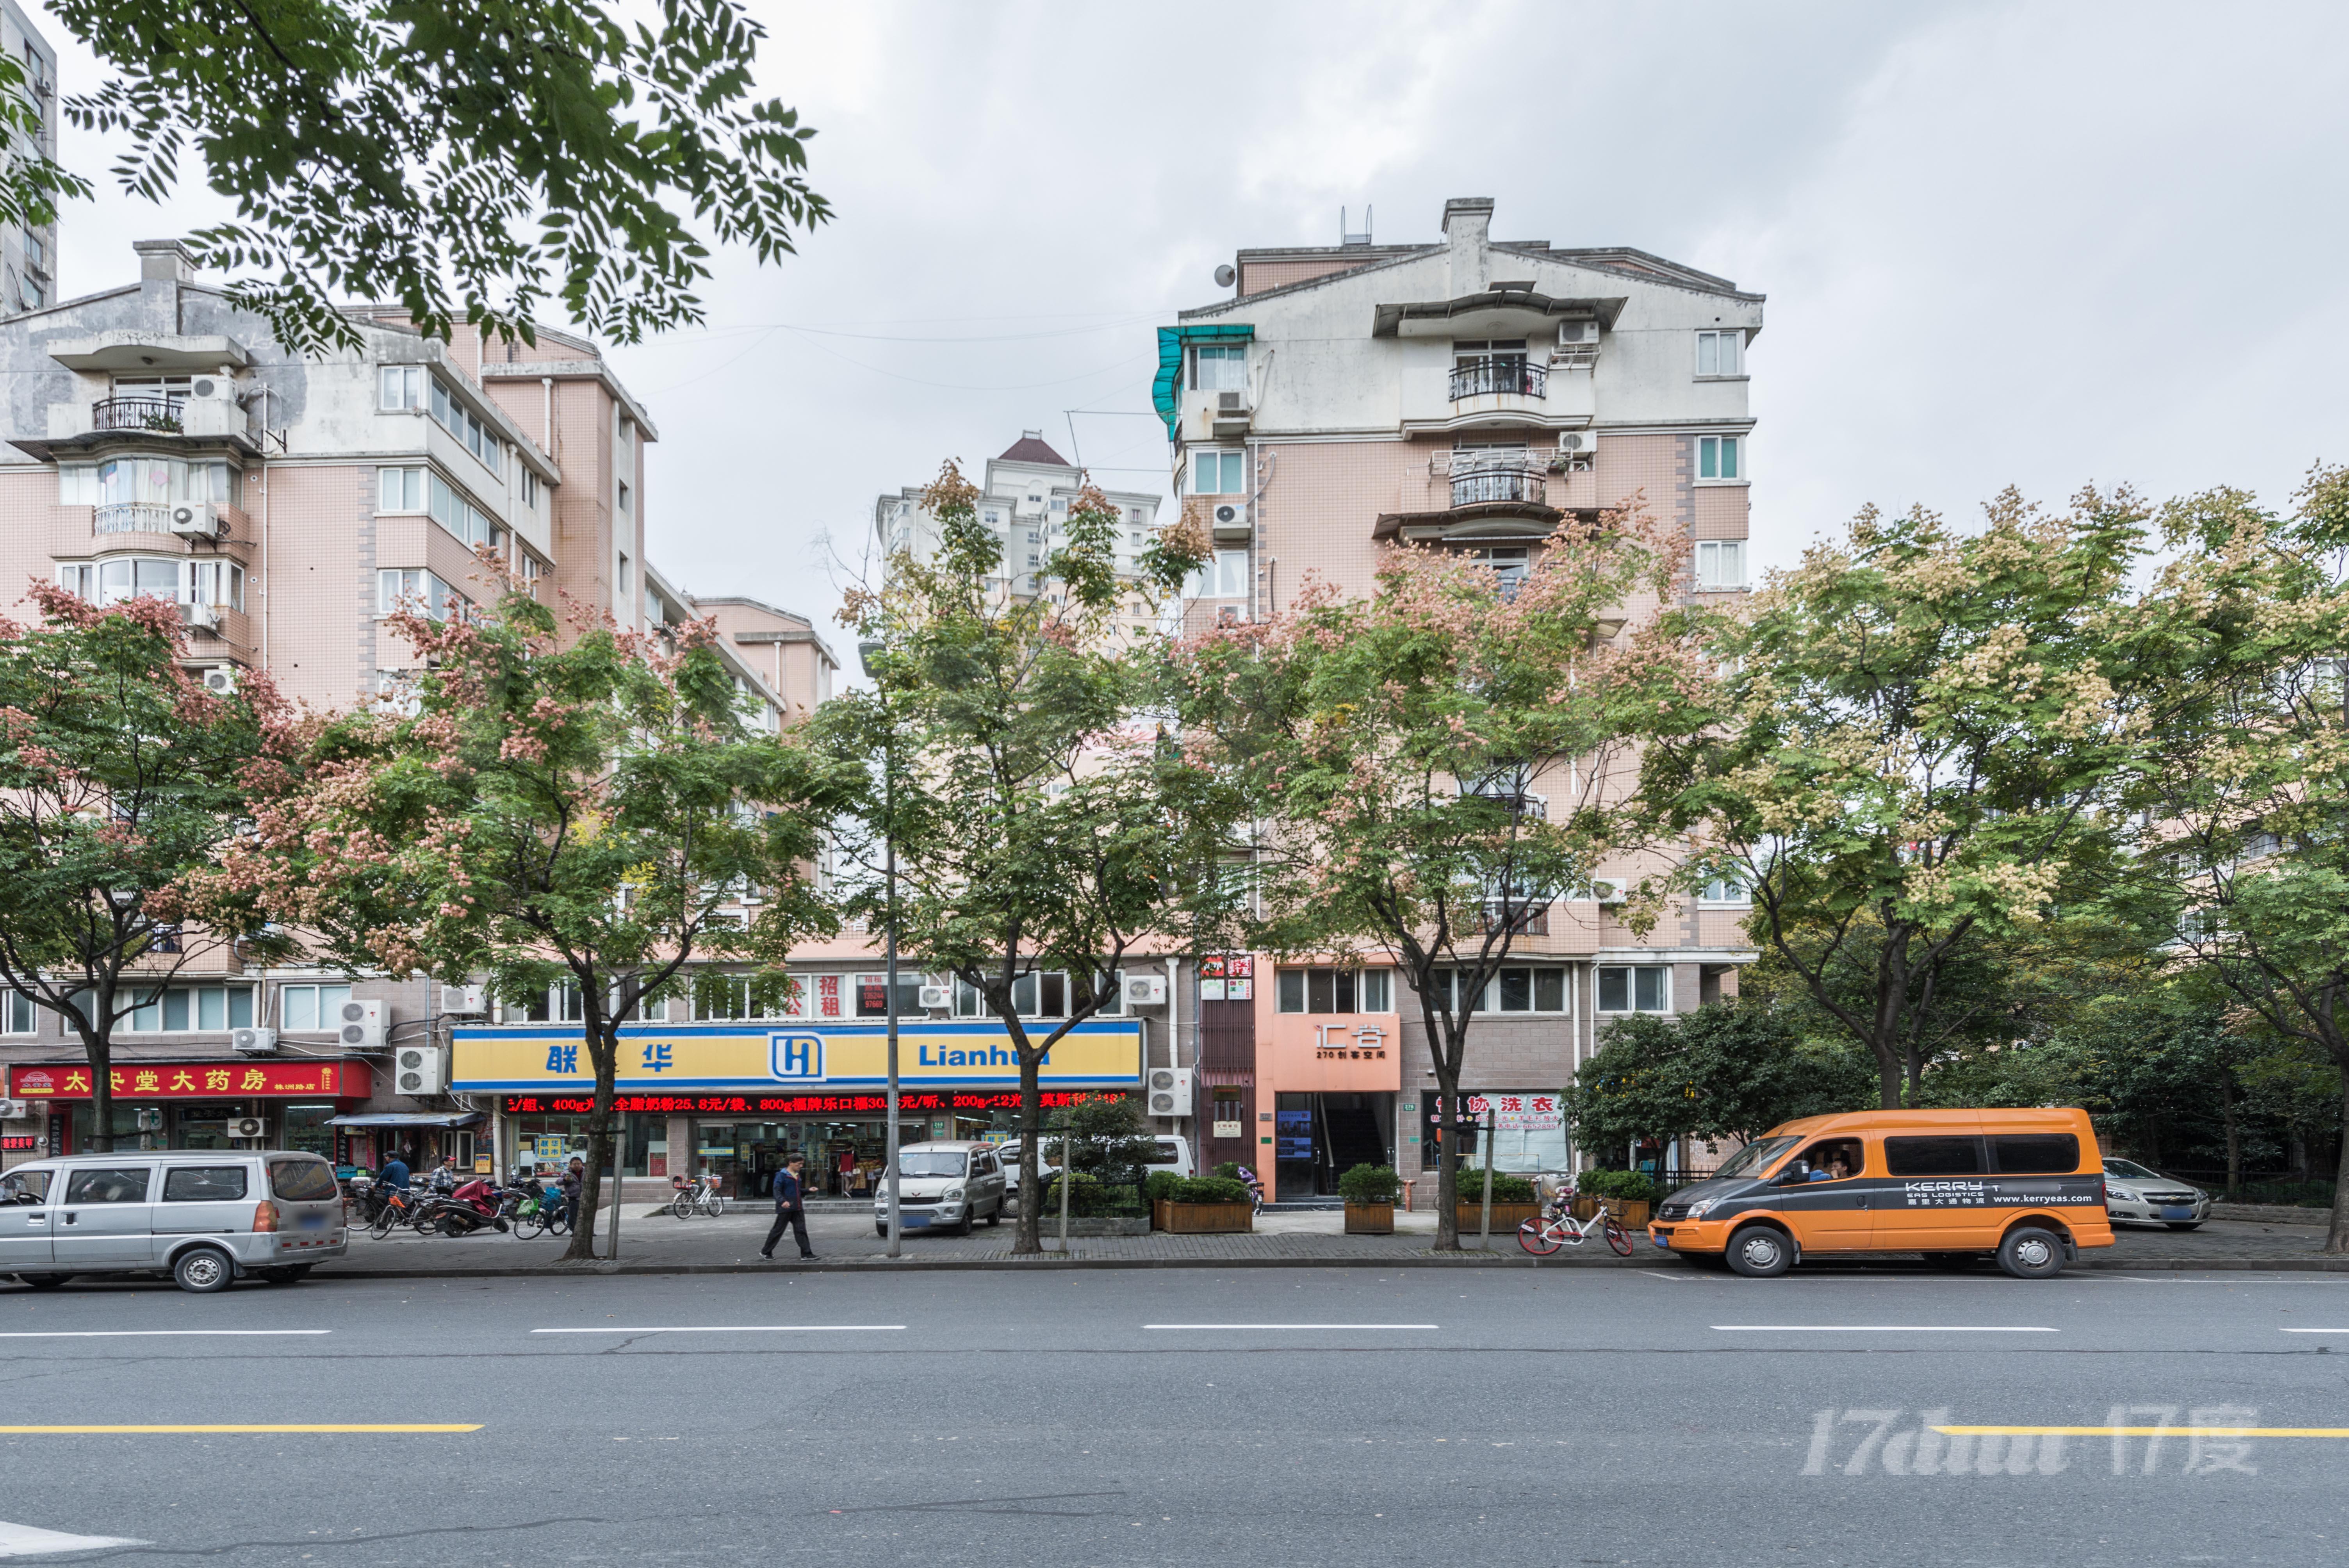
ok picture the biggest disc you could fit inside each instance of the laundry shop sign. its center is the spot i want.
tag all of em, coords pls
(658, 1058)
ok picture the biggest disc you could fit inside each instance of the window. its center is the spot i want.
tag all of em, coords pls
(872, 996)
(303, 1008)
(20, 1016)
(108, 1184)
(1221, 367)
(530, 488)
(219, 584)
(400, 387)
(1038, 996)
(203, 1184)
(400, 489)
(463, 423)
(2040, 1154)
(1334, 990)
(627, 576)
(1727, 886)
(1225, 577)
(1935, 1156)
(1635, 988)
(1716, 457)
(623, 491)
(1536, 988)
(1509, 563)
(1218, 473)
(1721, 353)
(302, 1180)
(402, 588)
(1720, 564)
(183, 1009)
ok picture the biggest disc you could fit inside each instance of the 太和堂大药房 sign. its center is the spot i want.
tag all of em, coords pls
(327, 1079)
(663, 1059)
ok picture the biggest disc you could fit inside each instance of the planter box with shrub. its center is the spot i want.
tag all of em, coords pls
(1370, 1193)
(1200, 1205)
(1514, 1202)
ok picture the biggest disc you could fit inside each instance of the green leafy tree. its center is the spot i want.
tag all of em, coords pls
(590, 811)
(1728, 1070)
(1437, 764)
(2242, 792)
(1912, 752)
(1040, 823)
(122, 783)
(469, 160)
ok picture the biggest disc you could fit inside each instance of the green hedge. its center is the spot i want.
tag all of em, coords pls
(1370, 1184)
(1633, 1186)
(1207, 1190)
(1091, 1199)
(1506, 1189)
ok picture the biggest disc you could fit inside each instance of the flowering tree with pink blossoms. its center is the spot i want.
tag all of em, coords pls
(591, 809)
(122, 783)
(1438, 764)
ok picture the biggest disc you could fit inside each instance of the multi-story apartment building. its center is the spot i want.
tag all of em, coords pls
(160, 443)
(1026, 494)
(1465, 394)
(28, 253)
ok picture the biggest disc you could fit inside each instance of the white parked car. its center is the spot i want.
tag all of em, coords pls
(2135, 1195)
(944, 1186)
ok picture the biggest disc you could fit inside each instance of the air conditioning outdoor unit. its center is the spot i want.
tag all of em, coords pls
(1229, 415)
(14, 1110)
(253, 1042)
(253, 1127)
(1145, 990)
(220, 679)
(201, 518)
(199, 614)
(1230, 518)
(1571, 334)
(362, 1023)
(1578, 443)
(937, 996)
(421, 1070)
(464, 1000)
(1610, 889)
(1170, 1091)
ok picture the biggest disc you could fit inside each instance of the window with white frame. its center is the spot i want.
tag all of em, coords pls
(187, 1009)
(1220, 367)
(23, 1015)
(217, 583)
(1635, 988)
(627, 576)
(1720, 564)
(1721, 353)
(412, 588)
(1725, 884)
(1516, 988)
(1218, 473)
(1046, 994)
(1334, 990)
(422, 490)
(465, 425)
(1720, 456)
(530, 488)
(306, 1009)
(621, 489)
(400, 387)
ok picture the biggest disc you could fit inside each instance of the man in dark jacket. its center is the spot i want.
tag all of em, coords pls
(394, 1171)
(790, 1208)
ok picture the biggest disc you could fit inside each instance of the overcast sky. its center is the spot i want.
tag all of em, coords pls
(2002, 243)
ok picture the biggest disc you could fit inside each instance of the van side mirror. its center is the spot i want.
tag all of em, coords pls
(1795, 1175)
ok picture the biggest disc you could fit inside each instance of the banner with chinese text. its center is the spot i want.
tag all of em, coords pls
(317, 1077)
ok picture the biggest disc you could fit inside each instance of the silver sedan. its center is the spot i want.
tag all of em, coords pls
(2135, 1195)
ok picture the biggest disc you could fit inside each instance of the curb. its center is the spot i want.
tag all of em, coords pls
(1050, 1263)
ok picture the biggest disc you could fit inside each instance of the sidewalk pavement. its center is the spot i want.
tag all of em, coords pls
(657, 1243)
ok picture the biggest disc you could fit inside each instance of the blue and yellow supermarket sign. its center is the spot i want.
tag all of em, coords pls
(658, 1058)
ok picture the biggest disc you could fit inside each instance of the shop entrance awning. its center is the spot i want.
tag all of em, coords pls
(410, 1119)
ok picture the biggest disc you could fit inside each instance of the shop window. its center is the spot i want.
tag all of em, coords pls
(1635, 988)
(1334, 990)
(308, 1007)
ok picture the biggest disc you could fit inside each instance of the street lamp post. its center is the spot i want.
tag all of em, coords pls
(872, 654)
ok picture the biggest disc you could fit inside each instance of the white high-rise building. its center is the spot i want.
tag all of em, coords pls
(28, 256)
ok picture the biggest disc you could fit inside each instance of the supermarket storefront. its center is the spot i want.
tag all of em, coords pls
(737, 1100)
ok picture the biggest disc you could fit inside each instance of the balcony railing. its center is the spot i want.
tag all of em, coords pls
(137, 414)
(1499, 372)
(1480, 486)
(133, 516)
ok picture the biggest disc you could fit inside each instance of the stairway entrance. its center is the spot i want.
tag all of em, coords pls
(1320, 1137)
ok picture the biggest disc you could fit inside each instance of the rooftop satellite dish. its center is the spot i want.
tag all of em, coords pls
(1226, 277)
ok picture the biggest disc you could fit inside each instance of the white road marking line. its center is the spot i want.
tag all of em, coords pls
(1658, 1274)
(1189, 1328)
(163, 1333)
(742, 1329)
(1873, 1328)
(30, 1540)
(2316, 1331)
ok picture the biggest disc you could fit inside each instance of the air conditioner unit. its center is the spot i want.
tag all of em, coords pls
(1230, 518)
(937, 996)
(253, 1127)
(464, 1000)
(14, 1110)
(221, 679)
(1145, 990)
(362, 1025)
(1610, 889)
(1578, 443)
(1575, 333)
(198, 614)
(201, 518)
(419, 1070)
(1228, 415)
(253, 1042)
(211, 387)
(1169, 1089)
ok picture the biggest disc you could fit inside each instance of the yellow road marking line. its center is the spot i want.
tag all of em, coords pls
(277, 1426)
(2144, 1432)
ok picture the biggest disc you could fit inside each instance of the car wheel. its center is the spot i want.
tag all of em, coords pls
(2031, 1251)
(45, 1280)
(2186, 1225)
(202, 1269)
(1761, 1252)
(881, 1232)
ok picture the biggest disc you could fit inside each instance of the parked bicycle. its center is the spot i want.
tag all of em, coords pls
(699, 1196)
(400, 1207)
(1557, 1228)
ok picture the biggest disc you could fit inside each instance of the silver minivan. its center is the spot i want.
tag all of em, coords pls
(944, 1186)
(204, 1216)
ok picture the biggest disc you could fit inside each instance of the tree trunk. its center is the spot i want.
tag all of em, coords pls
(606, 1052)
(1447, 1163)
(101, 1052)
(1029, 1235)
(1887, 1078)
(2336, 1240)
(2234, 1136)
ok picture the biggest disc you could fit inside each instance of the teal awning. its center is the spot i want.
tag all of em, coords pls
(1164, 390)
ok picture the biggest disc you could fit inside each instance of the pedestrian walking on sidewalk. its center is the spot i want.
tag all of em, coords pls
(574, 1182)
(790, 1208)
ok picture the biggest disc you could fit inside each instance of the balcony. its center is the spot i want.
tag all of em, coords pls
(160, 414)
(1507, 375)
(1488, 485)
(132, 517)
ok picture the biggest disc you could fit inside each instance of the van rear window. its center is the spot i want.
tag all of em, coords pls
(1933, 1156)
(2046, 1153)
(202, 1183)
(302, 1180)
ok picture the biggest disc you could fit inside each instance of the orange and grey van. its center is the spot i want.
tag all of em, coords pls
(2025, 1187)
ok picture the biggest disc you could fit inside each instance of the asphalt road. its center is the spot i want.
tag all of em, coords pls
(1270, 1417)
